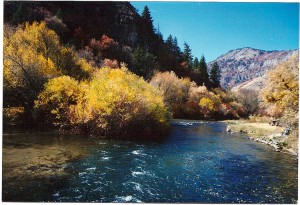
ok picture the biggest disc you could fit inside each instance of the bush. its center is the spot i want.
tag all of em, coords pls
(32, 56)
(249, 100)
(187, 100)
(114, 102)
(175, 90)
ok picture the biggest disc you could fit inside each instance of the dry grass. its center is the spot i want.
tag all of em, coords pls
(254, 129)
(264, 131)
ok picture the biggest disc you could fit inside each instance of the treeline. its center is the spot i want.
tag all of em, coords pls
(55, 86)
(101, 41)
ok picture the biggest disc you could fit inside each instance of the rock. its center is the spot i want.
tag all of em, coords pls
(286, 131)
(228, 129)
(243, 131)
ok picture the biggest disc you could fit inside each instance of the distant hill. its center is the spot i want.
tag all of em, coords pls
(246, 67)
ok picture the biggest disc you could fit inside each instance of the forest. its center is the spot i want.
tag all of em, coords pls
(88, 78)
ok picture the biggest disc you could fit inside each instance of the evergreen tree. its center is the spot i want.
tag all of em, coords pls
(215, 75)
(187, 54)
(143, 62)
(204, 78)
(196, 64)
(176, 48)
(19, 15)
(169, 41)
(147, 17)
(147, 30)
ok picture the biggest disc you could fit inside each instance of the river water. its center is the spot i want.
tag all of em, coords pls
(199, 162)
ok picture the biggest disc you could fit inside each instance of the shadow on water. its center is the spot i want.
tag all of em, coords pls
(198, 163)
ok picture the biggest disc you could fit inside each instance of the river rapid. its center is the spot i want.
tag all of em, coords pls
(198, 163)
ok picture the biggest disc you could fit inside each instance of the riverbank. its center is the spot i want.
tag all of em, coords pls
(38, 155)
(265, 133)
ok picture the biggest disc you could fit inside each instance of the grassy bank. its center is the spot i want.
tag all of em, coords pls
(265, 133)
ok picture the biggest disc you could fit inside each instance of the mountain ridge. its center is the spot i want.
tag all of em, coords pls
(242, 65)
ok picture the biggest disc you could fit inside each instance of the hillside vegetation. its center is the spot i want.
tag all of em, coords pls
(115, 75)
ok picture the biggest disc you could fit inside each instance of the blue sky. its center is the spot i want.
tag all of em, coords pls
(215, 28)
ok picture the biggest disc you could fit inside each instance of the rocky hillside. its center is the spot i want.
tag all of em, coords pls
(83, 20)
(245, 67)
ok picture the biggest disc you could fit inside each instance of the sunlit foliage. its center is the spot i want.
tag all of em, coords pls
(175, 90)
(187, 100)
(281, 92)
(32, 55)
(61, 95)
(114, 102)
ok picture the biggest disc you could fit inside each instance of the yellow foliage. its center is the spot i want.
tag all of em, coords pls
(175, 90)
(206, 103)
(58, 95)
(32, 56)
(282, 87)
(112, 102)
(281, 93)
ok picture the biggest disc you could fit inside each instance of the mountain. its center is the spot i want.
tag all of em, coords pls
(246, 67)
(83, 19)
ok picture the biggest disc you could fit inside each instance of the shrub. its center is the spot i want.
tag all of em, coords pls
(249, 100)
(187, 100)
(175, 90)
(114, 102)
(32, 56)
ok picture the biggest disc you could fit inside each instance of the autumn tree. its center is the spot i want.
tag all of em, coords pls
(175, 90)
(249, 100)
(282, 90)
(32, 56)
(114, 102)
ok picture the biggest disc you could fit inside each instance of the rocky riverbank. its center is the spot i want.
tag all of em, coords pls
(264, 133)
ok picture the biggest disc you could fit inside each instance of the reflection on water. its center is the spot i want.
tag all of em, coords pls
(199, 162)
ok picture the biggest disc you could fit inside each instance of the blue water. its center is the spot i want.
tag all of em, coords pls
(199, 162)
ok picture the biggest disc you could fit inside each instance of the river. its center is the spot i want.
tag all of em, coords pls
(198, 163)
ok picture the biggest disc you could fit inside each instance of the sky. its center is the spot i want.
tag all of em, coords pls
(213, 28)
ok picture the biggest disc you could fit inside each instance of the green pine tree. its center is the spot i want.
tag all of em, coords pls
(215, 75)
(187, 54)
(204, 78)
(147, 33)
(143, 62)
(196, 64)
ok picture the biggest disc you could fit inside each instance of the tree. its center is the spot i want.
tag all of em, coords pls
(215, 75)
(32, 56)
(187, 55)
(143, 62)
(169, 41)
(175, 90)
(146, 29)
(204, 78)
(249, 100)
(176, 48)
(196, 64)
(282, 90)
